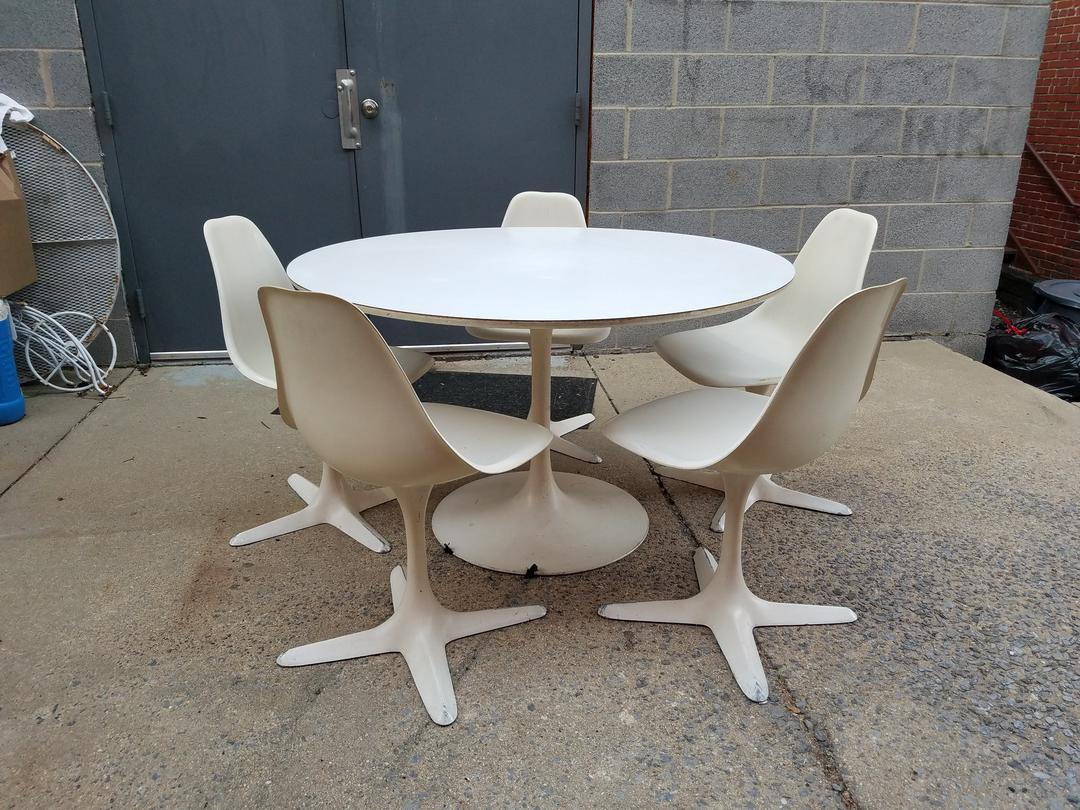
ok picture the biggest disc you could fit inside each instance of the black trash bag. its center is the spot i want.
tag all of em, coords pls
(1043, 350)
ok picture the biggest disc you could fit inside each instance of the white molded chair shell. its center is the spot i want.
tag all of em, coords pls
(563, 337)
(684, 431)
(354, 406)
(243, 261)
(757, 349)
(543, 209)
(813, 402)
(730, 429)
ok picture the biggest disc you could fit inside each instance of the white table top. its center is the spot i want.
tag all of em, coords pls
(542, 277)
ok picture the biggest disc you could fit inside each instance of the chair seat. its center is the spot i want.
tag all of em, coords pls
(690, 431)
(415, 364)
(732, 355)
(570, 337)
(490, 442)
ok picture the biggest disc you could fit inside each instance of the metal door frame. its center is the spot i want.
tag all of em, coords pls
(115, 191)
(114, 180)
(583, 139)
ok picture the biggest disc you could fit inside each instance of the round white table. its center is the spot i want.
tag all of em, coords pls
(541, 279)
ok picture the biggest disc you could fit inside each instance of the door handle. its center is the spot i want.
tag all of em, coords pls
(348, 108)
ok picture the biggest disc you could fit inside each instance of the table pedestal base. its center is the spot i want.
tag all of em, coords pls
(560, 525)
(541, 521)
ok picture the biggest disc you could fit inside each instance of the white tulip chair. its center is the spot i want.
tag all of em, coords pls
(549, 209)
(739, 436)
(754, 351)
(243, 262)
(339, 383)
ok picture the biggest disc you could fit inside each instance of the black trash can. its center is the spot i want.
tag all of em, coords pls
(1061, 296)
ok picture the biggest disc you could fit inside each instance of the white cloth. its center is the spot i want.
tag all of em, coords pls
(18, 113)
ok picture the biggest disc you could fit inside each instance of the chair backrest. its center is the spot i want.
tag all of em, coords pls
(814, 400)
(544, 209)
(347, 395)
(830, 267)
(243, 262)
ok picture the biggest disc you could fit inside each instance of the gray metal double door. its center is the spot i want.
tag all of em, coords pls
(218, 107)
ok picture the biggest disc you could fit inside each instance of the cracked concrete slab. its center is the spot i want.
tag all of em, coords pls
(959, 684)
(49, 416)
(137, 648)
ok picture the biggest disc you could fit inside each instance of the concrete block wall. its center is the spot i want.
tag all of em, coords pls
(750, 119)
(42, 66)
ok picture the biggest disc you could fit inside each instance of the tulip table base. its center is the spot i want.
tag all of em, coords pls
(540, 521)
(559, 525)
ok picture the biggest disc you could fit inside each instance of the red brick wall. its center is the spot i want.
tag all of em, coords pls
(1042, 220)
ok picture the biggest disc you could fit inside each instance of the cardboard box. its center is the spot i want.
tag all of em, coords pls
(17, 268)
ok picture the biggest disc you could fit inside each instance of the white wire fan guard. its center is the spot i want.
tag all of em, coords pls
(72, 230)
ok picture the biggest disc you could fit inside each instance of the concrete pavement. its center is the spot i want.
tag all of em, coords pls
(137, 648)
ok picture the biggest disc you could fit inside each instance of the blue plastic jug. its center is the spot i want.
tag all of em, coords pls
(12, 404)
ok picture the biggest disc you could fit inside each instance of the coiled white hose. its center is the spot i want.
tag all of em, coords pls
(55, 348)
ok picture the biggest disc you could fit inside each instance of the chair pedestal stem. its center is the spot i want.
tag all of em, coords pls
(420, 627)
(726, 605)
(540, 406)
(330, 502)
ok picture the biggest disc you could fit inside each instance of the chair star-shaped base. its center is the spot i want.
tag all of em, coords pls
(329, 502)
(567, 447)
(763, 489)
(727, 607)
(419, 629)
